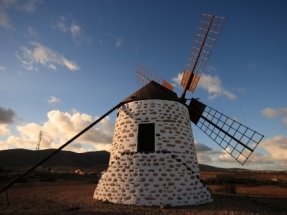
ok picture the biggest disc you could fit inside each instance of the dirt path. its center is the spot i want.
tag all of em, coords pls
(74, 197)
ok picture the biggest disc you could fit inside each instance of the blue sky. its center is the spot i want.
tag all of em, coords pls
(65, 63)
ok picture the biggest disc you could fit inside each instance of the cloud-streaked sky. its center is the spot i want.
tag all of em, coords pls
(64, 63)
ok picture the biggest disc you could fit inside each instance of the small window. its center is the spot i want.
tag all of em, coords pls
(146, 137)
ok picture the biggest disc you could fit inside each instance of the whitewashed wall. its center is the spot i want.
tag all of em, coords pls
(168, 176)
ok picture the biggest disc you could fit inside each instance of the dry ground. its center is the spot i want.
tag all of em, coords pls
(75, 197)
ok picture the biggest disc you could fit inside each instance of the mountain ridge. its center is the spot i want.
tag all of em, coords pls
(23, 158)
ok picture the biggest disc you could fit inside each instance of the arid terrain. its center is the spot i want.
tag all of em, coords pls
(234, 192)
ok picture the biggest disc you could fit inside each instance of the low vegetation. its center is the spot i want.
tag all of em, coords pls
(226, 180)
(6, 178)
(226, 188)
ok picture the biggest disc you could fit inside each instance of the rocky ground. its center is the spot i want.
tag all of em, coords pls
(75, 197)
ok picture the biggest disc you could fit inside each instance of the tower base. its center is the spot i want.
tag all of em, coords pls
(151, 179)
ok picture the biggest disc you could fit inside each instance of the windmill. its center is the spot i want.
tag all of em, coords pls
(153, 159)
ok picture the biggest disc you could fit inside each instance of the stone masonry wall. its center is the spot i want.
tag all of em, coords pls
(170, 175)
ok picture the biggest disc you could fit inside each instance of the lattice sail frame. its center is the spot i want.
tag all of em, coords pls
(236, 139)
(206, 35)
(144, 75)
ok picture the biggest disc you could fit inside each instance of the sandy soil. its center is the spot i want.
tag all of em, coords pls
(75, 197)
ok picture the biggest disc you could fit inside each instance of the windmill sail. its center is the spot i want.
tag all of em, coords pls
(206, 35)
(236, 139)
(144, 75)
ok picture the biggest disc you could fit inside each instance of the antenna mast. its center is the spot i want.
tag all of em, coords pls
(38, 146)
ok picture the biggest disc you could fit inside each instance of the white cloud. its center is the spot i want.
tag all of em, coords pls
(45, 56)
(4, 130)
(53, 100)
(211, 84)
(177, 79)
(61, 25)
(73, 29)
(270, 154)
(28, 6)
(272, 113)
(61, 127)
(3, 145)
(276, 147)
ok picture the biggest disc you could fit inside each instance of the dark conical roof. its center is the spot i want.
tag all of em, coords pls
(152, 90)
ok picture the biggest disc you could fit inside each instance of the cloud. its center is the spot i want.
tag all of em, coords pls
(61, 25)
(270, 154)
(33, 33)
(272, 113)
(210, 69)
(73, 29)
(2, 68)
(257, 159)
(53, 100)
(203, 158)
(200, 147)
(177, 79)
(254, 159)
(6, 115)
(118, 40)
(205, 154)
(28, 6)
(61, 127)
(211, 84)
(4, 130)
(4, 19)
(276, 147)
(45, 56)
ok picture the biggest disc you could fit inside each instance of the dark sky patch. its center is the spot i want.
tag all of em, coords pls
(6, 115)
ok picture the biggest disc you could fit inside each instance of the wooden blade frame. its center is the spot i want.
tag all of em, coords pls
(194, 80)
(145, 75)
(236, 139)
(206, 35)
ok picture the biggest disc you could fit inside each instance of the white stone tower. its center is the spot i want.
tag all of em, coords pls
(153, 159)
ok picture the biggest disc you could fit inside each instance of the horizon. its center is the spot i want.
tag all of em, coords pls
(231, 168)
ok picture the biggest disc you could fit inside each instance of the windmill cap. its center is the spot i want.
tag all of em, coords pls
(152, 90)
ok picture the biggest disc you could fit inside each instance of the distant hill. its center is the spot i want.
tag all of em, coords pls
(19, 158)
(23, 158)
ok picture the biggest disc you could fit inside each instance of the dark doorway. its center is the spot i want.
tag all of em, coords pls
(146, 140)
